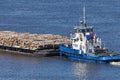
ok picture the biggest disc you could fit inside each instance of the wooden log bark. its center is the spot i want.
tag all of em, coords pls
(30, 41)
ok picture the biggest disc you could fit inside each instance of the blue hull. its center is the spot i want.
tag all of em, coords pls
(74, 55)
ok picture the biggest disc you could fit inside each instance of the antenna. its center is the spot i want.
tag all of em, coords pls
(84, 14)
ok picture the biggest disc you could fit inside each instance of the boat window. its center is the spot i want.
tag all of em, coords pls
(81, 39)
(80, 30)
(83, 31)
(76, 39)
(89, 30)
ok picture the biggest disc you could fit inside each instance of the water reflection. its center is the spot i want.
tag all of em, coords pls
(80, 69)
(93, 71)
(89, 71)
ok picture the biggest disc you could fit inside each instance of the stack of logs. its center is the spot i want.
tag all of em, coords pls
(30, 41)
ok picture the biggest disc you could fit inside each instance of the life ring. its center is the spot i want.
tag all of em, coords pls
(83, 47)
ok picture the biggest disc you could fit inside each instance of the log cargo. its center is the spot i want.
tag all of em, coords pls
(31, 43)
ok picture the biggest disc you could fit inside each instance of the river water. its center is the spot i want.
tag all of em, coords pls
(59, 17)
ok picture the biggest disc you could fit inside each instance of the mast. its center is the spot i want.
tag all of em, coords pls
(84, 14)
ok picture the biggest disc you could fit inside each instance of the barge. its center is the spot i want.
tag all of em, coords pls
(31, 44)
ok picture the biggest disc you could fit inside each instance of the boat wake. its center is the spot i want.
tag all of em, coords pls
(115, 63)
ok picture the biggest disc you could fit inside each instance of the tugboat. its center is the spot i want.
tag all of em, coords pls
(86, 46)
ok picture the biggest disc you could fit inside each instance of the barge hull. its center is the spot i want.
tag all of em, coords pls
(43, 52)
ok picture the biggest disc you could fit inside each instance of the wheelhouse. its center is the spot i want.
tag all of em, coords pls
(81, 29)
